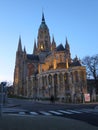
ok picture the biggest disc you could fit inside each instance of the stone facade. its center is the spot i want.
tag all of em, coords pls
(50, 70)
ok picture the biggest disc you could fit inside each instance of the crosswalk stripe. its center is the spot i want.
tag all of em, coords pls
(33, 113)
(74, 111)
(65, 112)
(45, 113)
(57, 113)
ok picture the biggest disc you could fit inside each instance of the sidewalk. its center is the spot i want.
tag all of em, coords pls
(11, 107)
(10, 104)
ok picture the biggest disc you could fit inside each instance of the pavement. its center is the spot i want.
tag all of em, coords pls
(11, 107)
(29, 122)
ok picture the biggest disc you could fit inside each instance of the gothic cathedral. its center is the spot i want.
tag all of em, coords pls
(49, 70)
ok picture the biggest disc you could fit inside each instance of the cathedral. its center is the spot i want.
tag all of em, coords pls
(49, 70)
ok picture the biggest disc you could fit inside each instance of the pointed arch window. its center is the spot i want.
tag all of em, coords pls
(41, 46)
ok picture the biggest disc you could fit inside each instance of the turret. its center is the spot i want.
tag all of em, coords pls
(67, 48)
(67, 51)
(53, 45)
(19, 53)
(35, 48)
(24, 53)
(19, 45)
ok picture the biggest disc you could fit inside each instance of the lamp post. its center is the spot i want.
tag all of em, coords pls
(1, 103)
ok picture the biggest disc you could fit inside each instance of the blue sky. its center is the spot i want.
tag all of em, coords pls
(75, 19)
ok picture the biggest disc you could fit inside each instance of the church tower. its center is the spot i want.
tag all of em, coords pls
(43, 39)
(18, 69)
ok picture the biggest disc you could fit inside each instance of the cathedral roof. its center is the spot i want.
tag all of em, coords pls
(32, 57)
(77, 63)
(43, 26)
(60, 48)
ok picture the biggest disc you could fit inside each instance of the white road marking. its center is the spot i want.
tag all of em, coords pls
(74, 111)
(45, 113)
(34, 113)
(65, 112)
(57, 113)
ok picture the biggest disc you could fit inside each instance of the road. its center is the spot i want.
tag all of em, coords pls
(84, 112)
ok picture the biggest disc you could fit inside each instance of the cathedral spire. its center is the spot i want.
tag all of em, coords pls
(24, 49)
(24, 54)
(67, 51)
(53, 43)
(67, 48)
(43, 18)
(34, 50)
(19, 45)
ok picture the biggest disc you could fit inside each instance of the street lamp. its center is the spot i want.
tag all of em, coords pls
(3, 84)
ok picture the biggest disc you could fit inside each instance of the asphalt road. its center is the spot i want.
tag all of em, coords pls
(84, 112)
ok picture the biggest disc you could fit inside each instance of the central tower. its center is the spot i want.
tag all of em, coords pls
(43, 39)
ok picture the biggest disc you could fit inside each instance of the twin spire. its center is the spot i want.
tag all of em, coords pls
(20, 46)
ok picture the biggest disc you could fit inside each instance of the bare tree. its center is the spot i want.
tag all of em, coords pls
(91, 63)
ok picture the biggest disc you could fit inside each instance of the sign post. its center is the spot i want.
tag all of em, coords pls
(87, 97)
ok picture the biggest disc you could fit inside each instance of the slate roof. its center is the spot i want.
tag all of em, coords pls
(76, 63)
(60, 48)
(43, 26)
(32, 57)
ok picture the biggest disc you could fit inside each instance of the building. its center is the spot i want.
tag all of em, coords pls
(49, 70)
